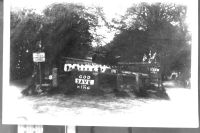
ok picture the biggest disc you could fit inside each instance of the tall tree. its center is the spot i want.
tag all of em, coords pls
(24, 26)
(67, 33)
(156, 27)
(63, 30)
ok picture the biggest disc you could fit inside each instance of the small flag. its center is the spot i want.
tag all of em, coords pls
(150, 54)
(153, 57)
(144, 58)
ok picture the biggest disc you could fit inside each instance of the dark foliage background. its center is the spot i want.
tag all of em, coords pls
(62, 30)
(69, 30)
(158, 28)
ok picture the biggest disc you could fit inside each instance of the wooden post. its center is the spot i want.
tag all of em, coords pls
(160, 85)
(55, 77)
(40, 75)
(97, 81)
(119, 81)
(147, 81)
(137, 82)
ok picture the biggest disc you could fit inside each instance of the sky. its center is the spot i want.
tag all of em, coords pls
(110, 6)
(111, 9)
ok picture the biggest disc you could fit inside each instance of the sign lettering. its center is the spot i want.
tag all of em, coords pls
(84, 82)
(39, 57)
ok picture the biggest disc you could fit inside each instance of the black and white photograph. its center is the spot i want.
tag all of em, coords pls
(125, 63)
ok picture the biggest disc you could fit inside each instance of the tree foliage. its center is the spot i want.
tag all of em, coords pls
(63, 30)
(67, 33)
(70, 30)
(157, 27)
(24, 26)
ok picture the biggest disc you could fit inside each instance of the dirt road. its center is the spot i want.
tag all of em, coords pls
(179, 111)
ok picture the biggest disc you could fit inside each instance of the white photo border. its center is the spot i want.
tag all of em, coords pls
(193, 23)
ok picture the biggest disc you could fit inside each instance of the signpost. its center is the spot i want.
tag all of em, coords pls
(39, 57)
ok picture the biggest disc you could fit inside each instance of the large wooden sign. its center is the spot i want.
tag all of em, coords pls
(84, 81)
(39, 57)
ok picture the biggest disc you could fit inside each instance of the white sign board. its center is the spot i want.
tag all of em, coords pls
(39, 57)
(84, 81)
